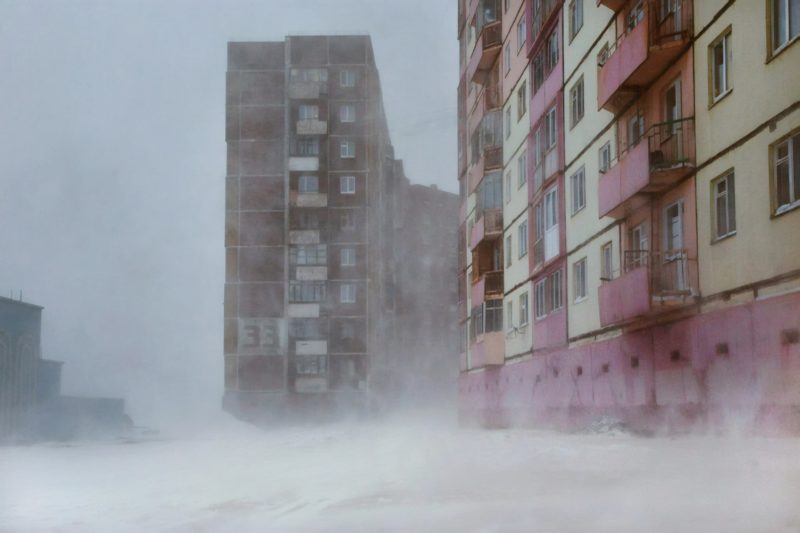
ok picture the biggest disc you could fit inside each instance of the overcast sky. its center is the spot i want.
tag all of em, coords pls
(112, 161)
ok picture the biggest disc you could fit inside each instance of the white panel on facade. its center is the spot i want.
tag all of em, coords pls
(311, 347)
(304, 163)
(311, 385)
(312, 200)
(312, 273)
(304, 310)
(312, 127)
(310, 236)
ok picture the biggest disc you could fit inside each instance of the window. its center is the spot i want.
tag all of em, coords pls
(551, 237)
(577, 184)
(551, 129)
(639, 244)
(579, 274)
(605, 157)
(347, 78)
(635, 129)
(785, 22)
(576, 102)
(505, 6)
(347, 149)
(522, 101)
(787, 174)
(307, 147)
(307, 291)
(673, 225)
(347, 256)
(672, 104)
(308, 184)
(720, 59)
(508, 122)
(635, 16)
(347, 184)
(522, 169)
(538, 72)
(521, 32)
(507, 58)
(722, 190)
(522, 238)
(309, 112)
(508, 251)
(509, 316)
(508, 186)
(306, 219)
(556, 301)
(347, 221)
(540, 299)
(347, 293)
(607, 262)
(523, 309)
(312, 254)
(552, 51)
(347, 113)
(575, 17)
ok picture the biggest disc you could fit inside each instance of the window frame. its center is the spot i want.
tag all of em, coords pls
(509, 251)
(556, 291)
(522, 239)
(575, 18)
(349, 117)
(540, 299)
(521, 32)
(607, 261)
(578, 175)
(794, 195)
(580, 281)
(347, 78)
(724, 39)
(522, 169)
(604, 166)
(347, 293)
(305, 178)
(345, 183)
(347, 256)
(522, 100)
(772, 50)
(524, 311)
(577, 106)
(344, 152)
(729, 178)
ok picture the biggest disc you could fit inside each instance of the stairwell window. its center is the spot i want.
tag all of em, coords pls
(575, 18)
(347, 149)
(785, 17)
(723, 192)
(522, 101)
(786, 171)
(522, 239)
(579, 275)
(576, 102)
(347, 184)
(577, 184)
(720, 59)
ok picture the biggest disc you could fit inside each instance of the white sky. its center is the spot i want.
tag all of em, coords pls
(112, 162)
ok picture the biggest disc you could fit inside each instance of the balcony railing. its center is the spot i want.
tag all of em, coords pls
(494, 282)
(669, 271)
(492, 158)
(650, 42)
(492, 98)
(648, 167)
(490, 39)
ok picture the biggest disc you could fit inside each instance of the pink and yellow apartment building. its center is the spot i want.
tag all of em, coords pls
(630, 188)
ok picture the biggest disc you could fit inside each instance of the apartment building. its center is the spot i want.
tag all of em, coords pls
(314, 227)
(647, 303)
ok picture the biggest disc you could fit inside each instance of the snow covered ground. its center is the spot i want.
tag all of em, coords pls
(404, 476)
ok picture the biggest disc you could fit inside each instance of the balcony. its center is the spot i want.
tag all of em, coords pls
(488, 226)
(542, 11)
(487, 48)
(309, 236)
(492, 158)
(488, 349)
(487, 286)
(308, 199)
(667, 157)
(311, 273)
(307, 90)
(613, 5)
(304, 163)
(312, 127)
(642, 52)
(492, 98)
(311, 384)
(651, 283)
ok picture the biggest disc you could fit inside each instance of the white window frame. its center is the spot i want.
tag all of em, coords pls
(347, 256)
(575, 18)
(347, 113)
(669, 238)
(308, 112)
(524, 317)
(509, 315)
(577, 185)
(347, 293)
(508, 187)
(607, 261)
(787, 25)
(540, 299)
(794, 194)
(508, 121)
(728, 199)
(580, 288)
(347, 149)
(522, 100)
(576, 102)
(509, 252)
(556, 291)
(507, 59)
(522, 239)
(604, 155)
(347, 78)
(724, 41)
(347, 184)
(302, 184)
(551, 129)
(521, 33)
(522, 169)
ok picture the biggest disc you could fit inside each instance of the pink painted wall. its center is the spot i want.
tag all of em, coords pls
(625, 297)
(630, 53)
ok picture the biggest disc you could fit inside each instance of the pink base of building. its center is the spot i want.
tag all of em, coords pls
(736, 367)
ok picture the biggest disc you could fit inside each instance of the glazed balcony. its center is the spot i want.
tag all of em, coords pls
(488, 226)
(492, 98)
(543, 10)
(487, 340)
(489, 42)
(487, 286)
(492, 158)
(651, 283)
(642, 53)
(613, 5)
(657, 162)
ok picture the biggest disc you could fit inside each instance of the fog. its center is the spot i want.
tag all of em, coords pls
(112, 172)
